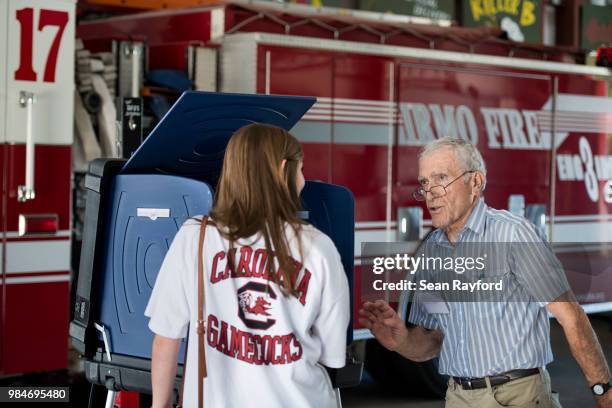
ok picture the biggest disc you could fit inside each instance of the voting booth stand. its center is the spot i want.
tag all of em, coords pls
(135, 207)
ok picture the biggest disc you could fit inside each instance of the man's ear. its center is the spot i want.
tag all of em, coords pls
(478, 181)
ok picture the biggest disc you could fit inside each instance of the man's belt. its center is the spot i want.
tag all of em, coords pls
(498, 379)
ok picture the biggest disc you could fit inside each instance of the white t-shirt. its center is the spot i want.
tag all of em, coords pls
(263, 349)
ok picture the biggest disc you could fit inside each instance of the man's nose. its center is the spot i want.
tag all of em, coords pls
(430, 196)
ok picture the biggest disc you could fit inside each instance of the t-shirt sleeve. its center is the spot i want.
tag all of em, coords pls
(332, 321)
(168, 306)
(535, 265)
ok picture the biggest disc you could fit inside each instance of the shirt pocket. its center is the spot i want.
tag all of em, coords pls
(492, 286)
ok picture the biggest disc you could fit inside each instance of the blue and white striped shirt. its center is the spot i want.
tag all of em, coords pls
(490, 337)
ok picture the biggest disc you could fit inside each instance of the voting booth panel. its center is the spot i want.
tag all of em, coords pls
(147, 212)
(135, 208)
(331, 209)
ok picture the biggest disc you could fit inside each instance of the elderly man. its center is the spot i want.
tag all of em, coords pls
(494, 352)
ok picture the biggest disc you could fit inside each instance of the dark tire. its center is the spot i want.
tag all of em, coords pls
(392, 371)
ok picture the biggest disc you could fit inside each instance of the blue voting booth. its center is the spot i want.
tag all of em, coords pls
(134, 208)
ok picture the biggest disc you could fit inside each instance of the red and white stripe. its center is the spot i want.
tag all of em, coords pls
(353, 111)
(37, 259)
(583, 122)
(575, 113)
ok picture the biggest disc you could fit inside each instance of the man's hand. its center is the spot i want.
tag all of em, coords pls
(605, 401)
(384, 323)
(416, 343)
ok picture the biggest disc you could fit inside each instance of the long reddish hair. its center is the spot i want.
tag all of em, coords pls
(257, 195)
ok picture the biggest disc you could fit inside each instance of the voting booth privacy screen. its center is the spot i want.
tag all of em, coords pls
(134, 208)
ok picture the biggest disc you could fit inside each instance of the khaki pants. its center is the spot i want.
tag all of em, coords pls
(528, 392)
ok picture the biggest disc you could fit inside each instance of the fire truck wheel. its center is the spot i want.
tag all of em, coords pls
(403, 376)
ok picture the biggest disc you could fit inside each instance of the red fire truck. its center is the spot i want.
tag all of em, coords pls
(384, 88)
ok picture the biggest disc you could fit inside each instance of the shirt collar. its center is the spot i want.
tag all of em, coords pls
(476, 221)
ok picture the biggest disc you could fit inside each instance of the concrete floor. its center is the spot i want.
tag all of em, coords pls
(566, 376)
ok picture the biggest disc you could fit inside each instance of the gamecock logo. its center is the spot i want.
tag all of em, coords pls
(254, 302)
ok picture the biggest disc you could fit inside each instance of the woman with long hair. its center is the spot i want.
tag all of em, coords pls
(276, 304)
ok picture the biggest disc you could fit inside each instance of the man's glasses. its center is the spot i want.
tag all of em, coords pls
(420, 194)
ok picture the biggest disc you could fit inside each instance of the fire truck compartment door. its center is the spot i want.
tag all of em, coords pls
(190, 140)
(331, 209)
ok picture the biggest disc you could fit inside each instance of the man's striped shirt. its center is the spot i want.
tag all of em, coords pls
(490, 337)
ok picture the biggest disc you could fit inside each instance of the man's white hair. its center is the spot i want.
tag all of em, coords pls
(468, 155)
